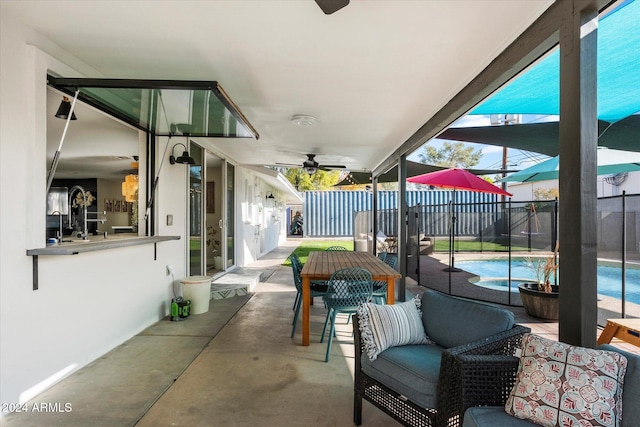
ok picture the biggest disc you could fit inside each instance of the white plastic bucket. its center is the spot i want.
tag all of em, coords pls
(198, 290)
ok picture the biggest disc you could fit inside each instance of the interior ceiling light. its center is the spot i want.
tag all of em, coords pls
(303, 120)
(130, 184)
(64, 109)
(130, 188)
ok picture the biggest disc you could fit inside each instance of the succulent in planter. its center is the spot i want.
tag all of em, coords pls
(545, 269)
(541, 299)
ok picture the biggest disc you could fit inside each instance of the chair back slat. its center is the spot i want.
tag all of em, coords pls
(296, 267)
(391, 260)
(349, 287)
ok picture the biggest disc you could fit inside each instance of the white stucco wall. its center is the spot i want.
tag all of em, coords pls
(524, 191)
(89, 303)
(260, 223)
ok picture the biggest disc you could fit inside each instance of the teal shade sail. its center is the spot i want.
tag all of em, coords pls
(537, 91)
(610, 162)
(544, 137)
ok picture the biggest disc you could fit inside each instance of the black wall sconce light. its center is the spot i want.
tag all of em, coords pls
(185, 159)
(270, 195)
(64, 109)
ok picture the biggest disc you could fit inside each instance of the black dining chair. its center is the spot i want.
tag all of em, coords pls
(380, 286)
(317, 289)
(348, 288)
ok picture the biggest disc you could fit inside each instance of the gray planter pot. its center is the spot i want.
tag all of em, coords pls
(539, 304)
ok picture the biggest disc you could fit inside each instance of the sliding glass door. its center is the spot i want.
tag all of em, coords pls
(211, 213)
(230, 210)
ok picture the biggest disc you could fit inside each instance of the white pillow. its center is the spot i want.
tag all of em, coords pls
(563, 385)
(385, 326)
(381, 237)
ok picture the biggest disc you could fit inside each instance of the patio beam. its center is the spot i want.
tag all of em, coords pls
(577, 176)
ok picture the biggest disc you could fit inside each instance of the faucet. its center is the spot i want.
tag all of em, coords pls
(59, 236)
(85, 232)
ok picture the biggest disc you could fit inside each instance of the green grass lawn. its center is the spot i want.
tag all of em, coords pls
(442, 245)
(317, 245)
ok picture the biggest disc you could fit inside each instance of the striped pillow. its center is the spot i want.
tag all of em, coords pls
(385, 326)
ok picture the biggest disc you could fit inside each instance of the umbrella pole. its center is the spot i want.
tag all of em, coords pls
(452, 259)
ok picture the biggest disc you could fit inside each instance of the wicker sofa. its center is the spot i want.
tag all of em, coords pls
(420, 385)
(493, 390)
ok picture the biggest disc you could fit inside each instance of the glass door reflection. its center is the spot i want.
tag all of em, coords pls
(196, 250)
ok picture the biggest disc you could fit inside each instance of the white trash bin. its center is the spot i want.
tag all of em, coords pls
(198, 290)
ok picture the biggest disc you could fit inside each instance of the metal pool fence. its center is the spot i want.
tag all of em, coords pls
(523, 228)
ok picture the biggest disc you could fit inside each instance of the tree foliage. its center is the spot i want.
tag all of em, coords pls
(321, 180)
(550, 193)
(451, 155)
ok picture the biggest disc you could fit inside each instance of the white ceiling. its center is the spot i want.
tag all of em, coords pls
(371, 73)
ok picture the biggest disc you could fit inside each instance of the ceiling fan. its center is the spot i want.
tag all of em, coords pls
(311, 166)
(330, 6)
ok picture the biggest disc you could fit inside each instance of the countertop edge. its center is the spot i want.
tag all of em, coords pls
(98, 245)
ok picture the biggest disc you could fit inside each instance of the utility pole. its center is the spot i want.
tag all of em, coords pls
(506, 120)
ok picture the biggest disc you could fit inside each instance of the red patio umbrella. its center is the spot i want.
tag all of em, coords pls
(456, 179)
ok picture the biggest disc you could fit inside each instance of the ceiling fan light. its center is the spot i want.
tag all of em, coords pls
(310, 169)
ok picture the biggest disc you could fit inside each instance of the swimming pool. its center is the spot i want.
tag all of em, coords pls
(494, 274)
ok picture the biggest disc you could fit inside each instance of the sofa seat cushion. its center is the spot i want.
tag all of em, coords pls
(410, 370)
(492, 416)
(451, 321)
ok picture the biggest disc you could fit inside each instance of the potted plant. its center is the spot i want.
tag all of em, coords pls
(540, 299)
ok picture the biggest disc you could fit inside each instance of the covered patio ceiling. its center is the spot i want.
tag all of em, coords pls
(370, 73)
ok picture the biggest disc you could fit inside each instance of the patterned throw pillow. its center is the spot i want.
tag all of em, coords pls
(562, 385)
(385, 326)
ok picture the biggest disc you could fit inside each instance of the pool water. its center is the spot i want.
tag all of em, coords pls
(609, 277)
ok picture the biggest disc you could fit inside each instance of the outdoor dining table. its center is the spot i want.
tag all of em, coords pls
(321, 265)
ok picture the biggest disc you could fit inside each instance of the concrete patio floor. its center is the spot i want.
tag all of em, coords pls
(233, 366)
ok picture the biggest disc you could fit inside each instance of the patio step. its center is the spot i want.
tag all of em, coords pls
(236, 283)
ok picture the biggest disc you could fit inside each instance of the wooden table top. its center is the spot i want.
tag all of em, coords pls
(321, 264)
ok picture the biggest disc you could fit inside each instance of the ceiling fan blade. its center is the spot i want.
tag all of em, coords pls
(287, 165)
(330, 6)
(331, 167)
